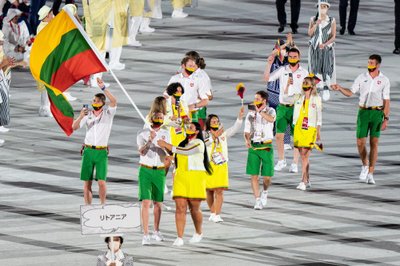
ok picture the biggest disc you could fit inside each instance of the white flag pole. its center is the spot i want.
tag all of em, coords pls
(101, 59)
(319, 25)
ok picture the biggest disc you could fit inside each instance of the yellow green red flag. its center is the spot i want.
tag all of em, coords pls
(61, 55)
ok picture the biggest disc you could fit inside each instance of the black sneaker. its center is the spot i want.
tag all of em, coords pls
(342, 30)
(351, 32)
(396, 51)
(281, 28)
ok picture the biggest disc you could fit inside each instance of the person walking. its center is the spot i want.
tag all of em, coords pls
(373, 113)
(295, 13)
(189, 188)
(152, 174)
(307, 121)
(98, 125)
(258, 135)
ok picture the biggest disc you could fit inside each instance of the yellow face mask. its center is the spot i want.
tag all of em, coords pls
(178, 94)
(97, 106)
(190, 132)
(293, 61)
(306, 87)
(214, 127)
(190, 70)
(160, 121)
(257, 103)
(371, 68)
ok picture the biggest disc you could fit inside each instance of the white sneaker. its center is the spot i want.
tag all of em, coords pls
(370, 179)
(3, 129)
(280, 165)
(211, 218)
(178, 242)
(117, 66)
(301, 186)
(157, 236)
(264, 198)
(326, 95)
(45, 112)
(287, 147)
(146, 29)
(364, 172)
(134, 43)
(178, 13)
(69, 96)
(146, 240)
(217, 219)
(293, 168)
(258, 205)
(1, 142)
(196, 238)
(166, 207)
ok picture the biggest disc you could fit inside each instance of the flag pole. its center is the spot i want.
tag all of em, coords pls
(101, 59)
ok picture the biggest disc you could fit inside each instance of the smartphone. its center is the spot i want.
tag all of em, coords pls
(291, 75)
(86, 106)
(251, 107)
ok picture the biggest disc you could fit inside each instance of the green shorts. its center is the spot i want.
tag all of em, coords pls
(263, 159)
(369, 121)
(92, 159)
(151, 184)
(202, 113)
(195, 116)
(284, 117)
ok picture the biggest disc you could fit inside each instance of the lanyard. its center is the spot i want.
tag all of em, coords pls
(12, 28)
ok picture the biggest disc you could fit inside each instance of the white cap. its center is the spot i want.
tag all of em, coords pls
(43, 12)
(12, 13)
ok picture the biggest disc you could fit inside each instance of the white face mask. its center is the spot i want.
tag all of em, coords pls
(117, 246)
(324, 11)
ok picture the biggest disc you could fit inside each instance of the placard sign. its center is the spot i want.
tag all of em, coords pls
(110, 219)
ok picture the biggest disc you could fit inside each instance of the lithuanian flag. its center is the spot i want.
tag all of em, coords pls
(61, 55)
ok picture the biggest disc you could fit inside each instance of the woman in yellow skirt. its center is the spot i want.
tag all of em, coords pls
(192, 167)
(307, 121)
(216, 140)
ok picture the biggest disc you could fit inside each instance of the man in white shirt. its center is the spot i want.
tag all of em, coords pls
(196, 89)
(292, 74)
(258, 134)
(373, 114)
(152, 174)
(95, 149)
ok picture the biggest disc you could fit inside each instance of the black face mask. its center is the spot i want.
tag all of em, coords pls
(96, 108)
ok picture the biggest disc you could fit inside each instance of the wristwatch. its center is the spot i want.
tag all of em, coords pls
(386, 118)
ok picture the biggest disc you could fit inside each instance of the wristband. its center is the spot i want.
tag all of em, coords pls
(386, 118)
(103, 88)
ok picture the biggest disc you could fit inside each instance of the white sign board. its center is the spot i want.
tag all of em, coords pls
(110, 219)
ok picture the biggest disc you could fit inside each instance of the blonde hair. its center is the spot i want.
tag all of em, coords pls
(159, 105)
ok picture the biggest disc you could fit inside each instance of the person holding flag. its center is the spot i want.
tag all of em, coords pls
(95, 149)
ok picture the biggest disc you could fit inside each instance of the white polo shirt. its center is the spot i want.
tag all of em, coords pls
(282, 74)
(98, 128)
(204, 81)
(372, 91)
(155, 155)
(193, 86)
(260, 129)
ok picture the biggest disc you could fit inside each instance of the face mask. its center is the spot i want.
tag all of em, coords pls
(177, 94)
(214, 127)
(117, 245)
(258, 104)
(190, 134)
(189, 70)
(158, 122)
(371, 68)
(293, 62)
(324, 11)
(306, 87)
(97, 106)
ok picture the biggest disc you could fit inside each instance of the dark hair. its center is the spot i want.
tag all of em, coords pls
(206, 162)
(208, 121)
(101, 96)
(376, 57)
(294, 50)
(173, 88)
(108, 239)
(195, 56)
(263, 95)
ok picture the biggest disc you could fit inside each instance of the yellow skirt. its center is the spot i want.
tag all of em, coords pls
(303, 138)
(219, 177)
(189, 184)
